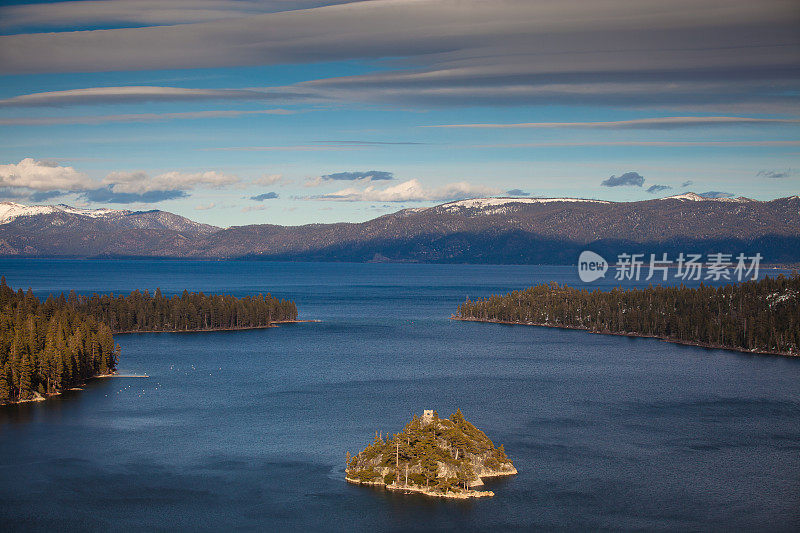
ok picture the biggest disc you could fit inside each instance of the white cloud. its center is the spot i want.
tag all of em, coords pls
(140, 182)
(42, 176)
(204, 207)
(270, 179)
(409, 191)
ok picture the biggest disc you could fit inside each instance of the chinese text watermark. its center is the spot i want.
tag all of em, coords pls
(686, 267)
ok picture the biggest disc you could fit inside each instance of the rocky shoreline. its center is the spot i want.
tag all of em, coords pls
(76, 387)
(409, 489)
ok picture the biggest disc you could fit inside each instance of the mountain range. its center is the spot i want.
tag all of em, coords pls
(481, 230)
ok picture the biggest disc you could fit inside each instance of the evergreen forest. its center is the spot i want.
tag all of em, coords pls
(49, 346)
(758, 316)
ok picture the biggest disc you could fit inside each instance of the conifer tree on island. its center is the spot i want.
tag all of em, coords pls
(441, 457)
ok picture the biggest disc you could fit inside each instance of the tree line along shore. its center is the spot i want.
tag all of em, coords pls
(52, 345)
(760, 316)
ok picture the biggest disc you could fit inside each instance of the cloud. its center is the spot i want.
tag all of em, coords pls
(41, 180)
(135, 117)
(627, 179)
(645, 123)
(42, 176)
(109, 196)
(77, 15)
(364, 176)
(653, 189)
(14, 193)
(774, 174)
(130, 94)
(264, 196)
(716, 194)
(269, 179)
(408, 191)
(204, 207)
(612, 52)
(42, 196)
(141, 182)
(369, 175)
(687, 183)
(517, 192)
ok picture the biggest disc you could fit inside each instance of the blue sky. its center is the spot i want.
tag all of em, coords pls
(236, 112)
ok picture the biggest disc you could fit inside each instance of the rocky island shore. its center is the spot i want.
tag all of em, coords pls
(438, 457)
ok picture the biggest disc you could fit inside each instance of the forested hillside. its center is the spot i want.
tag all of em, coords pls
(46, 347)
(759, 316)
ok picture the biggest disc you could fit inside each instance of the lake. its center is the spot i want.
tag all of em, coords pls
(248, 430)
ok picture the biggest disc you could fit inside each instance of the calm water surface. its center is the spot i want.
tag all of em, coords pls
(248, 430)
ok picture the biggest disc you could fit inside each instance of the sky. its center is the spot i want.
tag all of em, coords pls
(234, 112)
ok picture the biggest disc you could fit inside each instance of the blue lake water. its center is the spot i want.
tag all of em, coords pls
(248, 430)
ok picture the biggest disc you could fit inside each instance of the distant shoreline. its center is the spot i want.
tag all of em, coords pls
(207, 330)
(631, 334)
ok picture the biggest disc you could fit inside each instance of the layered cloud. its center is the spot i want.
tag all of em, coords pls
(643, 123)
(136, 117)
(409, 191)
(455, 52)
(628, 179)
(128, 94)
(79, 14)
(517, 192)
(653, 189)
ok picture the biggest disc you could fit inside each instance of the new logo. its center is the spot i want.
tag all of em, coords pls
(591, 266)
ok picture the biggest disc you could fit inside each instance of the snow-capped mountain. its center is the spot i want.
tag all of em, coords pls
(694, 197)
(480, 230)
(11, 210)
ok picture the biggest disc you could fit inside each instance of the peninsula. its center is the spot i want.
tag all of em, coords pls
(755, 316)
(51, 346)
(433, 456)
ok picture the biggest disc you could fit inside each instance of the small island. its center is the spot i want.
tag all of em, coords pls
(433, 456)
(755, 316)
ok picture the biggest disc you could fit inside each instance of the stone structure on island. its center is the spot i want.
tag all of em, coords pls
(441, 457)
